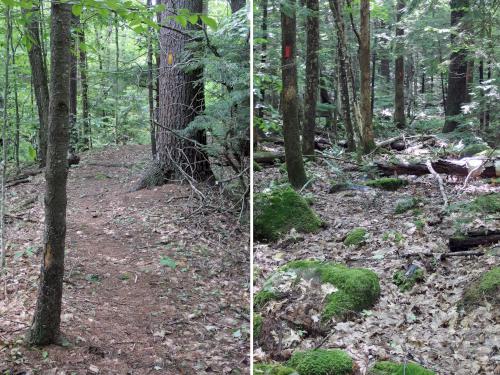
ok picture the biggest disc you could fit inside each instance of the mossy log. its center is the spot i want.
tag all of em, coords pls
(268, 157)
(473, 239)
(449, 167)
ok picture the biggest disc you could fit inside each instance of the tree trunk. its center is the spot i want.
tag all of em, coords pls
(236, 5)
(365, 90)
(399, 72)
(457, 70)
(39, 77)
(181, 100)
(291, 131)
(117, 89)
(312, 77)
(73, 85)
(481, 93)
(86, 143)
(16, 105)
(46, 320)
(152, 127)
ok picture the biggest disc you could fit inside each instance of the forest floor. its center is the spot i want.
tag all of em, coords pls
(153, 284)
(422, 325)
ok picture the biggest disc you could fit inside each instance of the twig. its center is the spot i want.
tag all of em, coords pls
(440, 181)
(462, 253)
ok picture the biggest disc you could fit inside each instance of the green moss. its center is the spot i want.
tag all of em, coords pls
(391, 368)
(487, 288)
(355, 237)
(322, 362)
(489, 203)
(358, 288)
(257, 325)
(266, 369)
(387, 183)
(262, 297)
(256, 167)
(474, 149)
(277, 212)
(406, 283)
(407, 204)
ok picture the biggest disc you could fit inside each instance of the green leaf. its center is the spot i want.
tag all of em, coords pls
(209, 21)
(45, 355)
(31, 152)
(181, 20)
(169, 262)
(77, 9)
(193, 19)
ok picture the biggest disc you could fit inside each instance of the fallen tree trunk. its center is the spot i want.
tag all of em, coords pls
(473, 239)
(268, 157)
(450, 167)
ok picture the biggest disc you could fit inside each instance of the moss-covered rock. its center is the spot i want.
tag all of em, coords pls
(392, 368)
(474, 149)
(406, 204)
(387, 183)
(357, 289)
(269, 369)
(257, 325)
(406, 281)
(486, 289)
(282, 209)
(355, 237)
(262, 297)
(322, 362)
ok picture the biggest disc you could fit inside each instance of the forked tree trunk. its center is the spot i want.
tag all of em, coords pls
(181, 99)
(291, 131)
(312, 77)
(399, 72)
(39, 78)
(457, 70)
(46, 321)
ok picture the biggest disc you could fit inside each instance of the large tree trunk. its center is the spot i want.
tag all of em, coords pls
(291, 131)
(86, 142)
(39, 77)
(236, 5)
(312, 77)
(399, 72)
(46, 320)
(457, 70)
(365, 90)
(73, 85)
(152, 127)
(181, 99)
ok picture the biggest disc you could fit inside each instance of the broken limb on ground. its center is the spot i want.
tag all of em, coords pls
(401, 234)
(152, 283)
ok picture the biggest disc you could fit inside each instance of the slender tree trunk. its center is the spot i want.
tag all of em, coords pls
(481, 93)
(46, 321)
(117, 89)
(399, 72)
(470, 78)
(422, 83)
(374, 62)
(291, 131)
(87, 134)
(236, 5)
(39, 77)
(457, 70)
(73, 86)
(365, 90)
(16, 105)
(312, 77)
(257, 131)
(152, 126)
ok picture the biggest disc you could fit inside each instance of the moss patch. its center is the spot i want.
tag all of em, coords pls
(406, 204)
(321, 362)
(405, 282)
(257, 325)
(277, 212)
(355, 237)
(489, 203)
(358, 288)
(391, 368)
(265, 369)
(256, 166)
(474, 149)
(486, 289)
(387, 183)
(262, 297)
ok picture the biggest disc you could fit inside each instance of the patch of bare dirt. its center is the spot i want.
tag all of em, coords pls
(152, 285)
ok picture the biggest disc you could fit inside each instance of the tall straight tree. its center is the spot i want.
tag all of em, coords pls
(86, 142)
(181, 98)
(291, 131)
(365, 82)
(151, 82)
(45, 328)
(39, 77)
(457, 70)
(399, 71)
(312, 76)
(73, 81)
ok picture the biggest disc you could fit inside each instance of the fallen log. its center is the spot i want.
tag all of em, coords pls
(268, 157)
(473, 239)
(451, 167)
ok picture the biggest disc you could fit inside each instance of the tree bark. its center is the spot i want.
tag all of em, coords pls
(73, 85)
(312, 77)
(39, 78)
(291, 131)
(152, 127)
(86, 142)
(365, 90)
(473, 239)
(457, 70)
(45, 328)
(399, 72)
(236, 5)
(181, 99)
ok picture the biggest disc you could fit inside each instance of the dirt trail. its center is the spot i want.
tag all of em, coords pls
(149, 288)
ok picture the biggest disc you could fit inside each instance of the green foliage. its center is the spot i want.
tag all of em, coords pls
(355, 237)
(278, 211)
(267, 369)
(392, 368)
(387, 183)
(262, 297)
(257, 326)
(322, 362)
(474, 149)
(168, 262)
(407, 204)
(487, 288)
(489, 203)
(406, 283)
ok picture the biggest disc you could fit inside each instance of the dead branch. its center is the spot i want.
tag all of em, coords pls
(439, 180)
